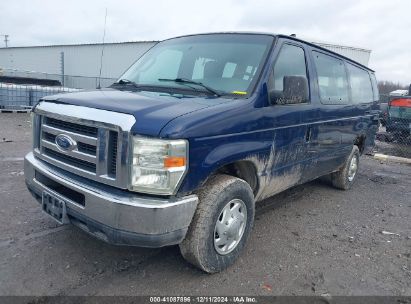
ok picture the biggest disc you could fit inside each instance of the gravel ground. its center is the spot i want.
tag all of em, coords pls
(309, 240)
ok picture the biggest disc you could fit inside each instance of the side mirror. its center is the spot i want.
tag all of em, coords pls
(295, 90)
(275, 96)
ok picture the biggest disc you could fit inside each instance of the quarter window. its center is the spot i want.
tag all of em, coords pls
(361, 88)
(332, 79)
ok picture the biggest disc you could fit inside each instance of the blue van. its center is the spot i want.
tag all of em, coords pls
(194, 134)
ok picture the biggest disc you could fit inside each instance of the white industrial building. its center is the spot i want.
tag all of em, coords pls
(80, 63)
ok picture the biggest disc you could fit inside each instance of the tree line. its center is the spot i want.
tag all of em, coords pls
(385, 86)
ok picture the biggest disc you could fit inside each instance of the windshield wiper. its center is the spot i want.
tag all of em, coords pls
(189, 81)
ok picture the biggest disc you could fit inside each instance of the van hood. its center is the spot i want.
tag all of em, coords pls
(152, 110)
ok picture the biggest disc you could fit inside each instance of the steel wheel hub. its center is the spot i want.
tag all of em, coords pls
(352, 170)
(230, 226)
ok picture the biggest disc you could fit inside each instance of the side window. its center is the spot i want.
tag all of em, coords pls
(361, 89)
(289, 81)
(332, 79)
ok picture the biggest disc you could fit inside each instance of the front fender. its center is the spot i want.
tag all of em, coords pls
(209, 155)
(231, 152)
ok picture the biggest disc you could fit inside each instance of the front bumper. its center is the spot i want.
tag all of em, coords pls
(113, 215)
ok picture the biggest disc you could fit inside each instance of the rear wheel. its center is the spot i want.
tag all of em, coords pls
(345, 177)
(221, 224)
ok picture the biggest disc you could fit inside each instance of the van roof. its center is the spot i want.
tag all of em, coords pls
(282, 36)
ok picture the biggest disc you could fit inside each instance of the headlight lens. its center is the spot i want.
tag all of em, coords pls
(158, 165)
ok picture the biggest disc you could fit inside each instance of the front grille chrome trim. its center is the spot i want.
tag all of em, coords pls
(82, 138)
(77, 154)
(96, 161)
(86, 116)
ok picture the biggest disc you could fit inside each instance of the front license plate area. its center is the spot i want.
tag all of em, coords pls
(55, 207)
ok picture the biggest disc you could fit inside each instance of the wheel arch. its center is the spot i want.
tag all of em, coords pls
(360, 142)
(244, 169)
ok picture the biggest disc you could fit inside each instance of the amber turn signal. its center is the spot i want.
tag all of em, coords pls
(173, 161)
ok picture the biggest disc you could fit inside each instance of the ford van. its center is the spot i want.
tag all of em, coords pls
(194, 134)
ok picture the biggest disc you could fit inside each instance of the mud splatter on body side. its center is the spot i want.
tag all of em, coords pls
(270, 184)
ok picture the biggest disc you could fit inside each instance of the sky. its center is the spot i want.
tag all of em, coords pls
(382, 26)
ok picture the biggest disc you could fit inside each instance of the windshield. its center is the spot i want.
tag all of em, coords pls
(225, 63)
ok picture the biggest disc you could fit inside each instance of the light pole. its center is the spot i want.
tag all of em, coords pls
(6, 40)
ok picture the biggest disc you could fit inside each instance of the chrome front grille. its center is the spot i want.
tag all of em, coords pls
(72, 161)
(98, 149)
(112, 153)
(72, 127)
(83, 156)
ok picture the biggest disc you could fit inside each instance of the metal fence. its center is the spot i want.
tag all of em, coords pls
(394, 135)
(17, 96)
(22, 89)
(69, 81)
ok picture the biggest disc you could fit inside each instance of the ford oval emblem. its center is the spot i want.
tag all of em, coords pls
(65, 142)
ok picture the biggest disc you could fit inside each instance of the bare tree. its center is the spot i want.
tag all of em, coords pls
(385, 87)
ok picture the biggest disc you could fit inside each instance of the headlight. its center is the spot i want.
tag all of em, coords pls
(158, 165)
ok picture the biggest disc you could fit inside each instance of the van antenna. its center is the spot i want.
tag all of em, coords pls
(102, 51)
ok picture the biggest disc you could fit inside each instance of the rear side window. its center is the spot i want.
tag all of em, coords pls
(332, 79)
(360, 81)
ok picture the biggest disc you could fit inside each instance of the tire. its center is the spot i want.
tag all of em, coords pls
(201, 244)
(345, 178)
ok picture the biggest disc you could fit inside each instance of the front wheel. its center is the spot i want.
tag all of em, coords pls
(221, 224)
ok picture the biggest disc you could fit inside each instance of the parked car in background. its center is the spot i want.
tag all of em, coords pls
(399, 93)
(384, 104)
(200, 129)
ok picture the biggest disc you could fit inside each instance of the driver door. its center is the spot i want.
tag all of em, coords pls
(290, 118)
